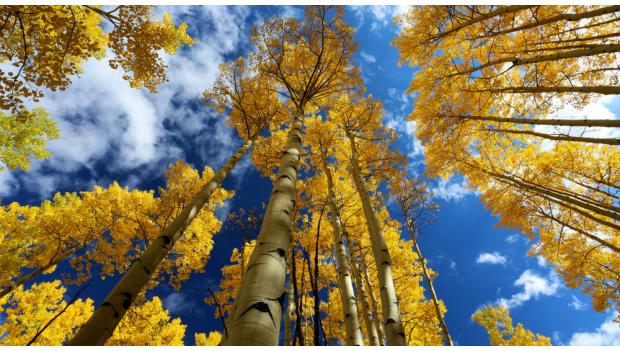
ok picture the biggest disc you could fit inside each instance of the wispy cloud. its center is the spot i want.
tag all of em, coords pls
(378, 15)
(368, 58)
(452, 189)
(177, 302)
(513, 238)
(577, 304)
(607, 334)
(533, 286)
(491, 258)
(106, 124)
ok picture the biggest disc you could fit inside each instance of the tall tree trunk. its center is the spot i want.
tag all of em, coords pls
(431, 288)
(100, 326)
(573, 17)
(611, 123)
(373, 300)
(289, 311)
(591, 50)
(502, 10)
(349, 301)
(27, 277)
(606, 141)
(297, 338)
(371, 327)
(598, 89)
(315, 283)
(389, 302)
(258, 310)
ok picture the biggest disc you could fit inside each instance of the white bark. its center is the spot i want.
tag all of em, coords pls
(288, 341)
(389, 302)
(257, 311)
(373, 300)
(100, 326)
(371, 327)
(349, 301)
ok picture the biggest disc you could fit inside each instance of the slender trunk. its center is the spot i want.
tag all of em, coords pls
(594, 37)
(592, 50)
(577, 197)
(584, 213)
(100, 326)
(26, 278)
(349, 302)
(562, 17)
(297, 334)
(289, 311)
(431, 288)
(389, 302)
(502, 10)
(601, 89)
(315, 283)
(607, 141)
(611, 123)
(373, 300)
(371, 328)
(303, 303)
(549, 192)
(257, 311)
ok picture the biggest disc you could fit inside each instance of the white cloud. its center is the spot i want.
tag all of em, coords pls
(608, 334)
(8, 183)
(533, 286)
(452, 189)
(379, 15)
(513, 238)
(541, 261)
(367, 57)
(577, 304)
(491, 258)
(105, 122)
(177, 302)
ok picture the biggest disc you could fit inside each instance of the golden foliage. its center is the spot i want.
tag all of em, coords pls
(498, 324)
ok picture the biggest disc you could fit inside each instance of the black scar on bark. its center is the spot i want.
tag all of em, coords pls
(167, 240)
(261, 307)
(390, 321)
(127, 301)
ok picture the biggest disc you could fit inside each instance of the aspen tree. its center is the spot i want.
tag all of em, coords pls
(253, 107)
(490, 112)
(361, 119)
(416, 205)
(323, 137)
(311, 61)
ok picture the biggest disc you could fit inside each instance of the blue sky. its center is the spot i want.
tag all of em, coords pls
(112, 132)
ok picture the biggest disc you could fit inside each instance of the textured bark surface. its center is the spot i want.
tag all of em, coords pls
(257, 311)
(389, 302)
(99, 328)
(349, 301)
(611, 123)
(289, 312)
(592, 50)
(371, 327)
(373, 300)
